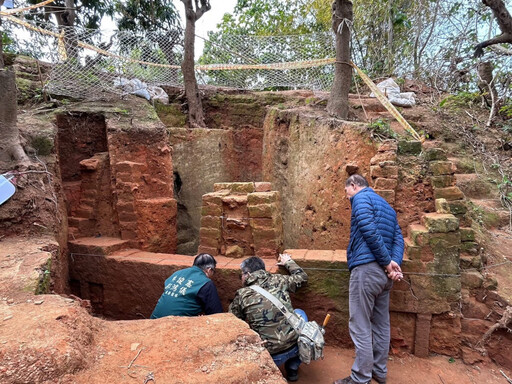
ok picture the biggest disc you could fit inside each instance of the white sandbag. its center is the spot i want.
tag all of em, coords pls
(392, 90)
(141, 89)
(158, 94)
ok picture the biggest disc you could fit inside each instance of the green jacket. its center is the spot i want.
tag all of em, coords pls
(261, 315)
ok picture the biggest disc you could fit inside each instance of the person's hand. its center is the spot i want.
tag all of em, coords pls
(283, 258)
(394, 271)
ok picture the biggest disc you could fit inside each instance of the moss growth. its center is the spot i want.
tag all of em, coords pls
(460, 100)
(171, 115)
(43, 286)
(43, 145)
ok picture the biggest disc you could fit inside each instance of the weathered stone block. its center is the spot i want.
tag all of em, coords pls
(212, 233)
(471, 280)
(262, 186)
(449, 193)
(409, 147)
(388, 195)
(387, 172)
(439, 222)
(234, 201)
(234, 251)
(439, 168)
(267, 223)
(263, 198)
(210, 250)
(445, 239)
(262, 235)
(469, 247)
(490, 283)
(211, 222)
(442, 206)
(432, 154)
(389, 184)
(211, 210)
(383, 156)
(213, 198)
(443, 181)
(352, 169)
(263, 210)
(470, 262)
(412, 252)
(418, 234)
(467, 234)
(388, 145)
(422, 335)
(234, 187)
(209, 242)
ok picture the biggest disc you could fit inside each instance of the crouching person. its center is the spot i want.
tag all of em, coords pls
(266, 319)
(189, 291)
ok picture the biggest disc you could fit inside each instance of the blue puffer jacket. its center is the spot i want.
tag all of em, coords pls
(374, 231)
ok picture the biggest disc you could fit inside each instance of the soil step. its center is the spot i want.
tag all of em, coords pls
(474, 186)
(97, 245)
(81, 223)
(495, 215)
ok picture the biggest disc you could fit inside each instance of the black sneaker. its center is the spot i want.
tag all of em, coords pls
(379, 380)
(292, 374)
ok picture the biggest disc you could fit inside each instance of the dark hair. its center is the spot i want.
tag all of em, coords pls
(358, 180)
(205, 261)
(252, 264)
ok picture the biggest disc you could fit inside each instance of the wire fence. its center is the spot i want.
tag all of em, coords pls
(89, 63)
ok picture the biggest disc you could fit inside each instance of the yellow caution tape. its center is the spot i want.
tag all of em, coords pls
(385, 102)
(18, 10)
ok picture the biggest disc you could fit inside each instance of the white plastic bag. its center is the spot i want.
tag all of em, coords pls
(391, 89)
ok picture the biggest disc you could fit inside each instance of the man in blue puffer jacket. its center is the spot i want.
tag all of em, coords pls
(374, 256)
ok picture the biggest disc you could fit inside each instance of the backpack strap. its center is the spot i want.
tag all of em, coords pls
(295, 321)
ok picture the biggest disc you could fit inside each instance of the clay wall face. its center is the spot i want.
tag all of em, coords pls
(304, 157)
(203, 157)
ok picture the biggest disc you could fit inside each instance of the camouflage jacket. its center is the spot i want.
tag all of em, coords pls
(262, 316)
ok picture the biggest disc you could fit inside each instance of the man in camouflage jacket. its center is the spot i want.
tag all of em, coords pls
(262, 316)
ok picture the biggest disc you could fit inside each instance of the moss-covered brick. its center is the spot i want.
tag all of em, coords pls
(471, 279)
(470, 262)
(443, 181)
(442, 206)
(263, 198)
(490, 283)
(387, 172)
(418, 234)
(406, 147)
(234, 187)
(263, 210)
(412, 251)
(467, 234)
(469, 247)
(444, 240)
(389, 184)
(234, 201)
(449, 193)
(171, 114)
(440, 222)
(214, 222)
(439, 168)
(433, 154)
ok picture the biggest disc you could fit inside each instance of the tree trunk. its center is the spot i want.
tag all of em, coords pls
(195, 106)
(66, 22)
(338, 100)
(10, 146)
(505, 23)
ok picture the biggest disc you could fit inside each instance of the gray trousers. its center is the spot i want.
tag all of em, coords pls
(369, 321)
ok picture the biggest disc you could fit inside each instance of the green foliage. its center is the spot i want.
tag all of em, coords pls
(43, 286)
(43, 145)
(506, 111)
(460, 100)
(381, 129)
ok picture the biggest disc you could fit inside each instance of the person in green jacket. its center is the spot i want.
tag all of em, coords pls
(264, 317)
(190, 291)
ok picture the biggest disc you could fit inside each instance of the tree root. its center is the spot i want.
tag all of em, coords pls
(504, 322)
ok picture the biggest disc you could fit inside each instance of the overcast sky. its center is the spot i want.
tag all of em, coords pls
(209, 21)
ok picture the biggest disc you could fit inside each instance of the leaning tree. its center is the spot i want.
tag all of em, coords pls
(195, 106)
(342, 16)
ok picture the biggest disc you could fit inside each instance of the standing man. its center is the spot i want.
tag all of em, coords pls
(189, 291)
(264, 317)
(374, 255)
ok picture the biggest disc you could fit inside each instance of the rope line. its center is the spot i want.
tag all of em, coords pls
(18, 10)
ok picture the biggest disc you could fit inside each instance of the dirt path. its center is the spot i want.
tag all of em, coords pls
(407, 369)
